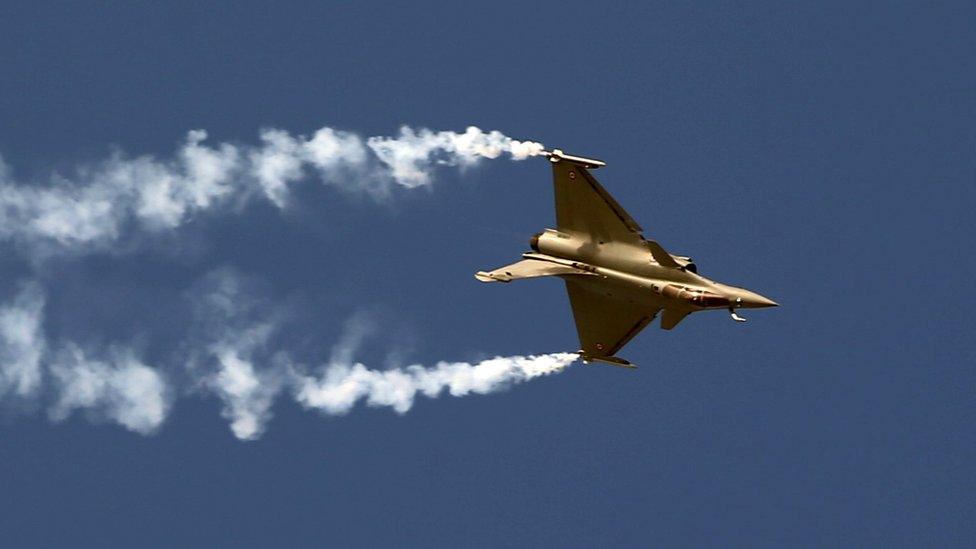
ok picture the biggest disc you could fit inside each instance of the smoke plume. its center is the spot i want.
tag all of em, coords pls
(97, 203)
(118, 387)
(339, 386)
(229, 355)
(233, 349)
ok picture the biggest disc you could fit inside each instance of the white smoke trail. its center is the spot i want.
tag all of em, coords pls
(339, 387)
(21, 343)
(121, 388)
(248, 375)
(247, 393)
(234, 362)
(409, 155)
(124, 390)
(98, 203)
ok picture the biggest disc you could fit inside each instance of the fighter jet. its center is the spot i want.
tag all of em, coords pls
(618, 281)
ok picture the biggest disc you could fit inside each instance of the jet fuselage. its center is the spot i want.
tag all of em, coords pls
(630, 273)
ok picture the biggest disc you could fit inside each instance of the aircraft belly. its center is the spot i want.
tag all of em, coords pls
(619, 290)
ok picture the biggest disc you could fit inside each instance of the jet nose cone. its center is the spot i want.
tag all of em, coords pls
(752, 300)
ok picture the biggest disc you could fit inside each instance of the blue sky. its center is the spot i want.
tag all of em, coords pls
(821, 155)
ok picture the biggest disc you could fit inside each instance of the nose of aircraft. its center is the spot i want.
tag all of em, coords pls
(752, 300)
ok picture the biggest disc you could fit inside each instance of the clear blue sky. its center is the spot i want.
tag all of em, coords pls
(822, 155)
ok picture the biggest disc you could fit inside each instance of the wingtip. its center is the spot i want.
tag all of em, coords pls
(556, 155)
(611, 360)
(491, 277)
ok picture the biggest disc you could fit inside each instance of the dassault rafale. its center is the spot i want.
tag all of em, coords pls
(618, 281)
